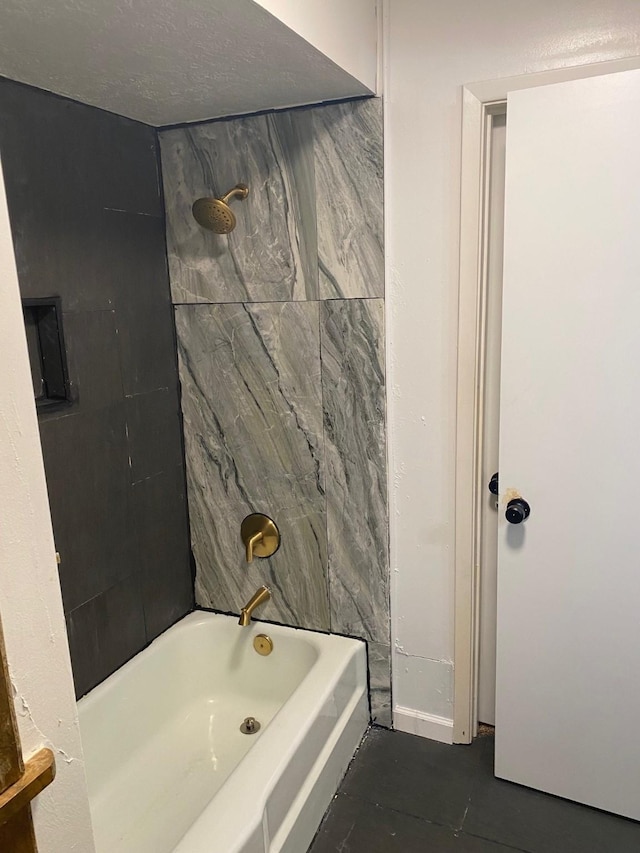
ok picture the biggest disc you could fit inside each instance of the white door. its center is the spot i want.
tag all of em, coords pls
(568, 647)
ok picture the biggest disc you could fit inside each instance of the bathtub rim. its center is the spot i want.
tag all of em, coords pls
(335, 653)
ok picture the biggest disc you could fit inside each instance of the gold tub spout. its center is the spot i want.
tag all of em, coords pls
(258, 598)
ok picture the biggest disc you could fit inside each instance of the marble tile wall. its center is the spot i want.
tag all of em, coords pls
(281, 356)
(352, 355)
(348, 165)
(252, 405)
(272, 256)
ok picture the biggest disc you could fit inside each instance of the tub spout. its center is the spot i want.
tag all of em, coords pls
(262, 595)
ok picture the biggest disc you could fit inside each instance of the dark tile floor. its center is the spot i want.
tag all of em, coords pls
(404, 794)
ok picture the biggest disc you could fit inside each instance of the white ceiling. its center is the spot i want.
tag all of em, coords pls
(166, 61)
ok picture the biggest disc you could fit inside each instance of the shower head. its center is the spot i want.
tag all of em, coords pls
(214, 214)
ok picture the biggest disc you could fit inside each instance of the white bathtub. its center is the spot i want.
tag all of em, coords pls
(167, 766)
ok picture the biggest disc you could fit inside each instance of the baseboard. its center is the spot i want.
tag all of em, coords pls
(424, 725)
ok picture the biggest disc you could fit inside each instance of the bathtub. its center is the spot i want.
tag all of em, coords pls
(168, 768)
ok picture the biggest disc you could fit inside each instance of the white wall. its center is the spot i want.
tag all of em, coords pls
(346, 32)
(30, 600)
(431, 51)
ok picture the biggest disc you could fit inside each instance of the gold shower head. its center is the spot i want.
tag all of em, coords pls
(214, 214)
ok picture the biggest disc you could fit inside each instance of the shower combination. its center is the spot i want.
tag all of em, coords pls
(214, 214)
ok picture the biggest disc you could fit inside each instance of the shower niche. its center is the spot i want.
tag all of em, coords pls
(47, 354)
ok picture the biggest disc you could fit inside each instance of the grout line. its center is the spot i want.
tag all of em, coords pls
(257, 113)
(500, 843)
(133, 212)
(362, 799)
(279, 301)
(466, 811)
(431, 822)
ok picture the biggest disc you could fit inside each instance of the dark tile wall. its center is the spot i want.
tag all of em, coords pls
(87, 217)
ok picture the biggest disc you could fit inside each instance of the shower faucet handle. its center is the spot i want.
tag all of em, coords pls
(251, 543)
(260, 536)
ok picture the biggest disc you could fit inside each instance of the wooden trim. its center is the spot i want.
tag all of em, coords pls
(498, 90)
(11, 766)
(480, 102)
(17, 835)
(19, 784)
(39, 771)
(471, 343)
(424, 725)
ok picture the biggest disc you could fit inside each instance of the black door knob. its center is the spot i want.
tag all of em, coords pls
(518, 510)
(493, 484)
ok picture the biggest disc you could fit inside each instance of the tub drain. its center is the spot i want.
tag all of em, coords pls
(249, 726)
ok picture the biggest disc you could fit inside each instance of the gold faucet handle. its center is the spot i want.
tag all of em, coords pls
(260, 536)
(251, 543)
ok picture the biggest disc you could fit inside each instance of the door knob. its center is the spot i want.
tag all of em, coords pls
(518, 510)
(493, 484)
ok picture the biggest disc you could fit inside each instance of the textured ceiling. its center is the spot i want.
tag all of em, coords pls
(166, 61)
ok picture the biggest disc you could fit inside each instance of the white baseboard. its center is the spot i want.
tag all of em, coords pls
(424, 725)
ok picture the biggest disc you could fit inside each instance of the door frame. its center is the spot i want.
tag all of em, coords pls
(481, 101)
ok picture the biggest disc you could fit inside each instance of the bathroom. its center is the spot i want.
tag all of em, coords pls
(325, 324)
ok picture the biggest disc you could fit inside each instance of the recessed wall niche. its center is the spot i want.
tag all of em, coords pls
(47, 353)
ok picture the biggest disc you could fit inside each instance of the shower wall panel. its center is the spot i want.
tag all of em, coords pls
(283, 386)
(252, 405)
(272, 256)
(349, 192)
(352, 354)
(87, 220)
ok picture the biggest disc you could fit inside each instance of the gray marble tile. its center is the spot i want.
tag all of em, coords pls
(272, 254)
(349, 198)
(380, 683)
(251, 398)
(352, 346)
